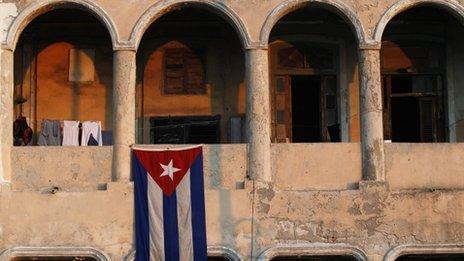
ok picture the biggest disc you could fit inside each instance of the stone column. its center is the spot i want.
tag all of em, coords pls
(124, 71)
(373, 155)
(6, 113)
(258, 117)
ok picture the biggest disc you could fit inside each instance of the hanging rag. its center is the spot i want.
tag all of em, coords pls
(50, 134)
(91, 129)
(71, 133)
(22, 133)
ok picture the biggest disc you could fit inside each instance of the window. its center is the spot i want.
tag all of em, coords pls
(185, 130)
(431, 257)
(183, 71)
(315, 258)
(54, 258)
(413, 91)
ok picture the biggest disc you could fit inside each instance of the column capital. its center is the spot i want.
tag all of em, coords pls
(370, 46)
(256, 46)
(124, 48)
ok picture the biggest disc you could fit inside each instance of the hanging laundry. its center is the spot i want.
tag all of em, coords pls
(50, 134)
(71, 133)
(91, 129)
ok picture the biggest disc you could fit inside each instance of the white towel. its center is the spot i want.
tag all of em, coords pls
(70, 133)
(91, 128)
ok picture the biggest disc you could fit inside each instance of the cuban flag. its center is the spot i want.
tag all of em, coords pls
(169, 205)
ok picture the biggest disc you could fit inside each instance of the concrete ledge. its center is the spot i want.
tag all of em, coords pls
(402, 250)
(312, 249)
(54, 252)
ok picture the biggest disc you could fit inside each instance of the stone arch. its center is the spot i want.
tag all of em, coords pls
(309, 249)
(222, 251)
(449, 5)
(291, 5)
(161, 8)
(402, 250)
(216, 251)
(38, 8)
(54, 252)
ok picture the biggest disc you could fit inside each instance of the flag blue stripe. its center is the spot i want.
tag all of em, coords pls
(198, 209)
(171, 230)
(142, 229)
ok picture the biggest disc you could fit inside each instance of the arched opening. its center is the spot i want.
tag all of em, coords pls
(431, 257)
(421, 59)
(190, 80)
(54, 258)
(63, 80)
(314, 77)
(315, 258)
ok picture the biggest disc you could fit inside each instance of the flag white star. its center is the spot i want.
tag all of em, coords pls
(169, 170)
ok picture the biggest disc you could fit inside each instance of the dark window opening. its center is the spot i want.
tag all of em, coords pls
(185, 130)
(55, 258)
(218, 258)
(306, 109)
(315, 258)
(432, 257)
(413, 108)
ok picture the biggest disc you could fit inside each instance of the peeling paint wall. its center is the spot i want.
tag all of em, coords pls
(8, 12)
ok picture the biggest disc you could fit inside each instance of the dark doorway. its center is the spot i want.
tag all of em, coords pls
(405, 119)
(306, 114)
(432, 257)
(315, 258)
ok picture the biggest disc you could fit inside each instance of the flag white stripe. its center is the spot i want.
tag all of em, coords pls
(155, 213)
(184, 219)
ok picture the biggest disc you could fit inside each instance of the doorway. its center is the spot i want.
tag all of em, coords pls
(306, 108)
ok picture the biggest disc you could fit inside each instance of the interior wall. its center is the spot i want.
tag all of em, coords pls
(58, 98)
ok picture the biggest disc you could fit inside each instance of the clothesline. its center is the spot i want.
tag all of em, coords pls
(90, 133)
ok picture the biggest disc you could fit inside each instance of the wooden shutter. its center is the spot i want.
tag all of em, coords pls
(183, 72)
(386, 91)
(329, 109)
(428, 119)
(193, 73)
(282, 109)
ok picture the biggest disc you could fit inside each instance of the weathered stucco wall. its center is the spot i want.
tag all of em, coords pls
(424, 166)
(68, 168)
(249, 16)
(372, 218)
(316, 166)
(82, 213)
(295, 208)
(247, 216)
(89, 168)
